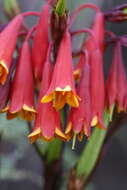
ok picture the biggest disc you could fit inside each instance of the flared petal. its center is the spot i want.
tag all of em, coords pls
(8, 38)
(22, 92)
(62, 85)
(80, 118)
(47, 122)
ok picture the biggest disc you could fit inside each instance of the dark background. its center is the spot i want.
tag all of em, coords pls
(20, 166)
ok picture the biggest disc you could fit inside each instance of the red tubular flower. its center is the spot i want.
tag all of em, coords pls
(80, 118)
(116, 82)
(47, 123)
(22, 95)
(8, 39)
(62, 88)
(40, 43)
(97, 88)
(5, 89)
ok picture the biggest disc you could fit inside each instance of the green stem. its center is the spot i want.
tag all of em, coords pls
(91, 152)
(53, 169)
(53, 151)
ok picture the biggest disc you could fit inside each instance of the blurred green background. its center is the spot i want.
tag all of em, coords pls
(20, 166)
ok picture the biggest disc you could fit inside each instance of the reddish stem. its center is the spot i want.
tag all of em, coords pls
(88, 31)
(22, 34)
(50, 1)
(30, 32)
(86, 54)
(31, 13)
(49, 50)
(77, 11)
(111, 34)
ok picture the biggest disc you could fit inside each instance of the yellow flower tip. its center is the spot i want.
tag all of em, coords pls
(47, 98)
(86, 131)
(59, 100)
(80, 136)
(72, 99)
(68, 129)
(25, 113)
(94, 121)
(34, 135)
(5, 109)
(76, 101)
(101, 127)
(27, 108)
(66, 89)
(119, 109)
(60, 134)
(77, 74)
(47, 139)
(3, 72)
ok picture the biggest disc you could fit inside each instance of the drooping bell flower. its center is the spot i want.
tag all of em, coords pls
(40, 42)
(62, 87)
(98, 29)
(47, 122)
(5, 89)
(78, 68)
(22, 92)
(80, 118)
(90, 44)
(95, 40)
(97, 88)
(8, 39)
(116, 83)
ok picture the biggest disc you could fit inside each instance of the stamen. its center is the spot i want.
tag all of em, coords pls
(74, 141)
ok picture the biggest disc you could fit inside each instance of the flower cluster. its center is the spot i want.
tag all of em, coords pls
(39, 78)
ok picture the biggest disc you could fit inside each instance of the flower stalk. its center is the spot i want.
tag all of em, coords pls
(88, 159)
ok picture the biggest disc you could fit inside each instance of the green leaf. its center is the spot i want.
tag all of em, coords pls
(91, 151)
(60, 7)
(11, 7)
(125, 11)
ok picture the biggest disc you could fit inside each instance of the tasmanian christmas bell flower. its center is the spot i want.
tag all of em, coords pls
(8, 38)
(5, 89)
(89, 44)
(22, 92)
(47, 122)
(62, 87)
(80, 118)
(78, 68)
(40, 42)
(98, 30)
(97, 88)
(116, 83)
